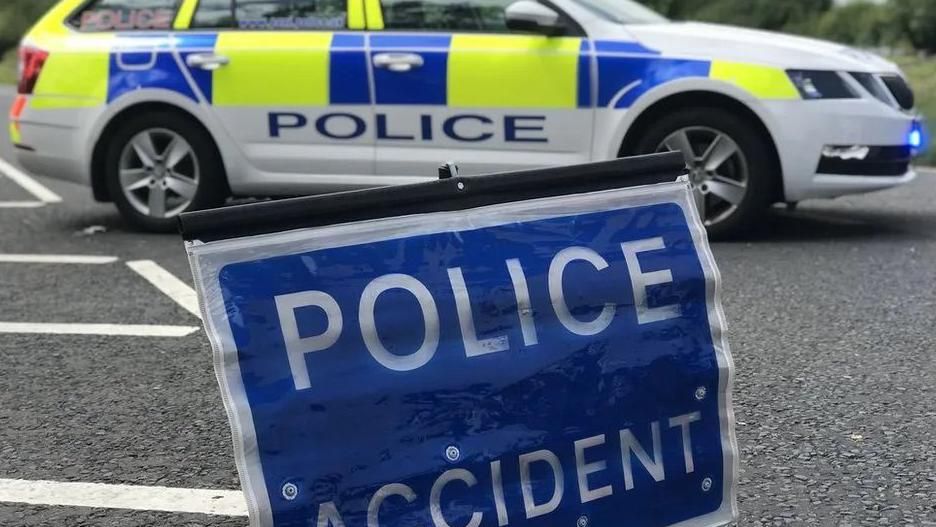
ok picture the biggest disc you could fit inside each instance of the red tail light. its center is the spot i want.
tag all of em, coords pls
(31, 61)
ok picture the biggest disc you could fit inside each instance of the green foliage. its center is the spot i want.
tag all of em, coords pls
(766, 14)
(861, 24)
(16, 17)
(916, 19)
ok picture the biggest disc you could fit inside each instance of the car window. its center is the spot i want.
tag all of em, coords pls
(291, 14)
(126, 15)
(446, 15)
(271, 14)
(213, 14)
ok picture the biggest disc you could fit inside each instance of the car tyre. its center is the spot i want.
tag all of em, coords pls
(731, 167)
(159, 165)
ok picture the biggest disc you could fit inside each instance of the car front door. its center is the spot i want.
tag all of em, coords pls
(290, 86)
(451, 82)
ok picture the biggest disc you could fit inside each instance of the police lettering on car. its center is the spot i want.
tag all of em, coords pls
(510, 129)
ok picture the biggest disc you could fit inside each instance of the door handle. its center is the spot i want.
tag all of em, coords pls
(398, 62)
(207, 61)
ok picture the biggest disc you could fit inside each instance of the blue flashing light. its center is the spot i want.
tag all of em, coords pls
(916, 138)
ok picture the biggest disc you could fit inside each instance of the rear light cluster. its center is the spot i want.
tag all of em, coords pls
(31, 61)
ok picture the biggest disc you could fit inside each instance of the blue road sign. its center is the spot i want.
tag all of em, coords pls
(551, 362)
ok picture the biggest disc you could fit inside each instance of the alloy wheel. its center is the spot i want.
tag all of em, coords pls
(159, 173)
(718, 170)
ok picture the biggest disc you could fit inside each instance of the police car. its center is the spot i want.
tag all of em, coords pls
(165, 106)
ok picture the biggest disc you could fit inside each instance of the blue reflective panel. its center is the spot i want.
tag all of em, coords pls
(585, 75)
(427, 84)
(130, 71)
(623, 79)
(189, 43)
(348, 83)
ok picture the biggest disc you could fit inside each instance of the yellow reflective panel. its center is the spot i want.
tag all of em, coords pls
(513, 71)
(374, 14)
(76, 73)
(273, 68)
(53, 23)
(356, 18)
(186, 12)
(764, 82)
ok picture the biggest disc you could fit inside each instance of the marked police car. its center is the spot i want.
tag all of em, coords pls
(164, 106)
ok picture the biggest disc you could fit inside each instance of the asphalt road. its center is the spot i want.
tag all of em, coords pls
(831, 314)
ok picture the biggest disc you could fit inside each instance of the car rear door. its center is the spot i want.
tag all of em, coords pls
(452, 82)
(289, 84)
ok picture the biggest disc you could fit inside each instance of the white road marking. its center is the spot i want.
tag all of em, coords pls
(57, 259)
(21, 204)
(40, 191)
(167, 282)
(118, 330)
(98, 495)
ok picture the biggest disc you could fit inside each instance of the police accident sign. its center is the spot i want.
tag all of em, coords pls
(550, 362)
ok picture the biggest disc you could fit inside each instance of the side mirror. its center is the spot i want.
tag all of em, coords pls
(533, 17)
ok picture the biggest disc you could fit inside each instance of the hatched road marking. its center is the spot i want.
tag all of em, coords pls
(21, 204)
(98, 495)
(38, 190)
(167, 282)
(114, 330)
(57, 259)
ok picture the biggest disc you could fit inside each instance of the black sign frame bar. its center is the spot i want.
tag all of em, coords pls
(456, 193)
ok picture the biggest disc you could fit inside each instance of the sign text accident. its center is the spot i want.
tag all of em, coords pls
(552, 362)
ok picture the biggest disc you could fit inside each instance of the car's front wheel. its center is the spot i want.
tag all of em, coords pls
(730, 167)
(160, 165)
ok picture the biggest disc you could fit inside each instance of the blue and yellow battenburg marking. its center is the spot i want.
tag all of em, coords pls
(319, 69)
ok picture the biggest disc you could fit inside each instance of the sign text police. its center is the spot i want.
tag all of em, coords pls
(298, 346)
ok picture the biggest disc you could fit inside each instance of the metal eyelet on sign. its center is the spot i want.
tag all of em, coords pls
(582, 521)
(706, 484)
(461, 186)
(700, 393)
(290, 491)
(452, 453)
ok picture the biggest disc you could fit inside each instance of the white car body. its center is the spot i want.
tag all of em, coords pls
(62, 140)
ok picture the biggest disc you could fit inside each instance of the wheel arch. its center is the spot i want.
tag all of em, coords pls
(99, 151)
(705, 99)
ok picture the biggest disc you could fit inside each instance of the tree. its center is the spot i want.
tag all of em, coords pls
(16, 17)
(860, 24)
(916, 19)
(765, 14)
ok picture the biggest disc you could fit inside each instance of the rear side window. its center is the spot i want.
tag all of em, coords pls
(446, 15)
(214, 14)
(126, 15)
(272, 14)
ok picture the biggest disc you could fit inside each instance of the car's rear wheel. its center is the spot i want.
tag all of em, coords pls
(730, 166)
(161, 165)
